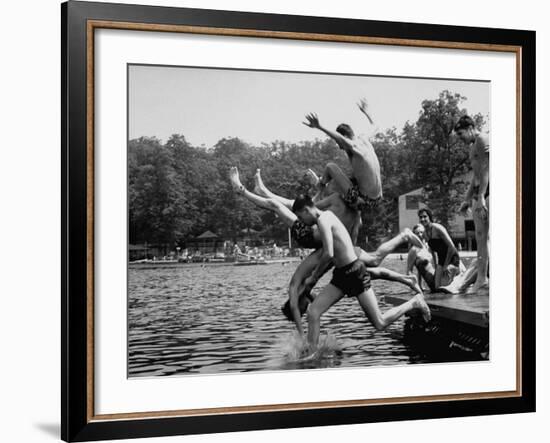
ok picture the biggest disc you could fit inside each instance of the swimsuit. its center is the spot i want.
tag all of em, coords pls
(439, 246)
(303, 234)
(352, 279)
(353, 194)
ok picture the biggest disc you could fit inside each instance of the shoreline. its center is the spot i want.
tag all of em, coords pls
(172, 263)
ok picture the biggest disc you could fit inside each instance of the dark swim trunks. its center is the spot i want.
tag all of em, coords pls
(303, 234)
(352, 279)
(355, 200)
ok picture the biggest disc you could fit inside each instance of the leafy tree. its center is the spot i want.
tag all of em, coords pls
(156, 206)
(436, 154)
(177, 191)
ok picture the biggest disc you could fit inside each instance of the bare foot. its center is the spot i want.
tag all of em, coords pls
(449, 289)
(412, 238)
(309, 355)
(413, 283)
(235, 180)
(259, 187)
(482, 286)
(421, 304)
(313, 177)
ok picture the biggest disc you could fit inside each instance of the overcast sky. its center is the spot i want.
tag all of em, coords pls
(206, 105)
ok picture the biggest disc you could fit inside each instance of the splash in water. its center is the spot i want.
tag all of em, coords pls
(288, 352)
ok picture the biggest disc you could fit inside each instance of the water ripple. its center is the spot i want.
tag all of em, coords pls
(193, 319)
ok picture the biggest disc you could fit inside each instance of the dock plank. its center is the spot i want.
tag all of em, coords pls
(472, 309)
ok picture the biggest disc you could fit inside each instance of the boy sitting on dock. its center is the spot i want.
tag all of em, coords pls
(350, 276)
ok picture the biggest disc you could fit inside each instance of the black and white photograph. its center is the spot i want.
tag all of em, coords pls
(302, 220)
(241, 221)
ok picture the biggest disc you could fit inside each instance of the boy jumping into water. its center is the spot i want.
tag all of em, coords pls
(365, 187)
(350, 276)
(308, 237)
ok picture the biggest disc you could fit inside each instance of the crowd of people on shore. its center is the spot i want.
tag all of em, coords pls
(328, 222)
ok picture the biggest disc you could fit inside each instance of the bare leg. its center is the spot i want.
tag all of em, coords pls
(386, 274)
(481, 223)
(341, 180)
(321, 191)
(328, 297)
(380, 320)
(313, 177)
(461, 283)
(261, 189)
(373, 259)
(438, 276)
(285, 214)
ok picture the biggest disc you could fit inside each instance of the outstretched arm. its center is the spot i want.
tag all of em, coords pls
(313, 122)
(325, 231)
(363, 107)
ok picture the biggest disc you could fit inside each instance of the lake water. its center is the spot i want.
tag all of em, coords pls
(194, 318)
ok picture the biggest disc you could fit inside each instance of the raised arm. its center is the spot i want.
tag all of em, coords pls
(363, 107)
(313, 122)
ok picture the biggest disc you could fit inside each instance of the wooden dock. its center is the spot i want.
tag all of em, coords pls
(458, 330)
(468, 309)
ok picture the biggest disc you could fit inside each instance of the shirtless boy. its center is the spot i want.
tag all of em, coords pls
(364, 188)
(477, 195)
(350, 276)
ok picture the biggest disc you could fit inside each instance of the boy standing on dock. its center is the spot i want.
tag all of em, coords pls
(350, 276)
(477, 195)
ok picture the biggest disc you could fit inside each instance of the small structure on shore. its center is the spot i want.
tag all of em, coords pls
(205, 243)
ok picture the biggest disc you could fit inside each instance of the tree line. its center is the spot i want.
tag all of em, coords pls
(177, 191)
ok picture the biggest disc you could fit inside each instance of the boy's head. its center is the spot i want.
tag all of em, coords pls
(345, 130)
(305, 209)
(465, 129)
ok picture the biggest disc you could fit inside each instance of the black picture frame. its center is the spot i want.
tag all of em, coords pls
(77, 419)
